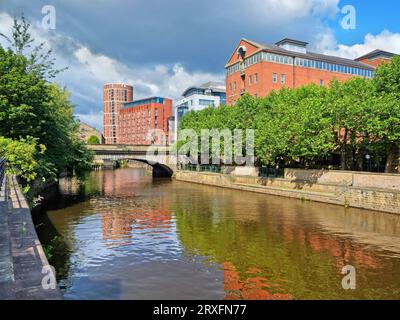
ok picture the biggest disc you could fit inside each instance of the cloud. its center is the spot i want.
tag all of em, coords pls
(179, 46)
(92, 119)
(88, 72)
(289, 9)
(385, 40)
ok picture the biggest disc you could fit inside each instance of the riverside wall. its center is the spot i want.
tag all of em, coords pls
(25, 270)
(378, 192)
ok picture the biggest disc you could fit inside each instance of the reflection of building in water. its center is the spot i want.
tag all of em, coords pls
(120, 226)
(123, 182)
(252, 288)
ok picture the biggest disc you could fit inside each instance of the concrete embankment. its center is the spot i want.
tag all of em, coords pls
(379, 192)
(22, 259)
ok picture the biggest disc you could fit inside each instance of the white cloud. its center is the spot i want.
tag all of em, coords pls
(385, 40)
(88, 72)
(92, 119)
(289, 9)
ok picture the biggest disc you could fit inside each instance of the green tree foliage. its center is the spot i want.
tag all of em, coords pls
(93, 140)
(36, 112)
(20, 157)
(385, 125)
(39, 61)
(307, 126)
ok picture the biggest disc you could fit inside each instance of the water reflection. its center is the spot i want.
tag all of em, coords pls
(126, 236)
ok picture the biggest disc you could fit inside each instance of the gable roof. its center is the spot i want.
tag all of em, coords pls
(375, 54)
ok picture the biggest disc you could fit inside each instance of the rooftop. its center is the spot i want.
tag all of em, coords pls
(307, 55)
(375, 54)
(145, 101)
(291, 41)
(211, 85)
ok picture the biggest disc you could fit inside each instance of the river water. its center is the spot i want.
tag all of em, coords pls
(122, 235)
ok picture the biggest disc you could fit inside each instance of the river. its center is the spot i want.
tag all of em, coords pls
(124, 235)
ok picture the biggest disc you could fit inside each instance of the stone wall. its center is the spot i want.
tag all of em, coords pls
(354, 189)
(22, 251)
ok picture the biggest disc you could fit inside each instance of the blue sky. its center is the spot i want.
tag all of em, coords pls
(163, 46)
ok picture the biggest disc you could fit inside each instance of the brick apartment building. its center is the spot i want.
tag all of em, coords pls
(130, 122)
(139, 118)
(258, 69)
(115, 95)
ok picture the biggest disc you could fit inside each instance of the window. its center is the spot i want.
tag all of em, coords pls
(230, 86)
(283, 80)
(204, 102)
(322, 83)
(275, 78)
(234, 86)
(250, 80)
(256, 78)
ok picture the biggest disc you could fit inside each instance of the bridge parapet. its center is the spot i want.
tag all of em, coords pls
(160, 158)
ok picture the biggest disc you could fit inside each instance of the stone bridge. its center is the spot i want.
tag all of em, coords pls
(159, 157)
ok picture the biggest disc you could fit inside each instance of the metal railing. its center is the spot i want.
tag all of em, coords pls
(201, 168)
(272, 172)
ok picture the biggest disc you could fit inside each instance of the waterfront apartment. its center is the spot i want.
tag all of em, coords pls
(198, 98)
(138, 119)
(115, 95)
(258, 69)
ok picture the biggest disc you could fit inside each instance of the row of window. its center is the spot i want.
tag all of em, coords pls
(204, 102)
(254, 79)
(120, 93)
(300, 62)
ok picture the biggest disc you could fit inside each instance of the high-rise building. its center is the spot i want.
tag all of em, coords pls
(115, 95)
(141, 118)
(258, 69)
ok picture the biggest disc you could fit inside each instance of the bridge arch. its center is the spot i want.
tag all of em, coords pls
(159, 161)
(159, 170)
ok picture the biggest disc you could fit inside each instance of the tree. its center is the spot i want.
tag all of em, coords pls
(39, 61)
(386, 125)
(20, 157)
(349, 104)
(33, 108)
(93, 140)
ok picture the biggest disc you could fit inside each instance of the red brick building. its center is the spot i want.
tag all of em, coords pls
(115, 95)
(139, 118)
(258, 69)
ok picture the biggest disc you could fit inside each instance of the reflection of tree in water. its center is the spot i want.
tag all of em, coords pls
(273, 256)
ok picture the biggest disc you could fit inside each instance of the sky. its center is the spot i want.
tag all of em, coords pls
(161, 47)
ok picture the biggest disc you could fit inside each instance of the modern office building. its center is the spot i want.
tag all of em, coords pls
(198, 98)
(258, 69)
(138, 119)
(115, 95)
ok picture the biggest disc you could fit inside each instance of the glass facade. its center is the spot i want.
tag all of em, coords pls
(182, 110)
(144, 101)
(301, 62)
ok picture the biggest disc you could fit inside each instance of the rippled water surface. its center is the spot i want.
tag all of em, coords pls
(123, 235)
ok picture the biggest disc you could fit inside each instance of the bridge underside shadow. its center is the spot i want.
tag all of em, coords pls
(159, 170)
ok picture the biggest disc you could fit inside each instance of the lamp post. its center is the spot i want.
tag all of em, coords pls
(368, 158)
